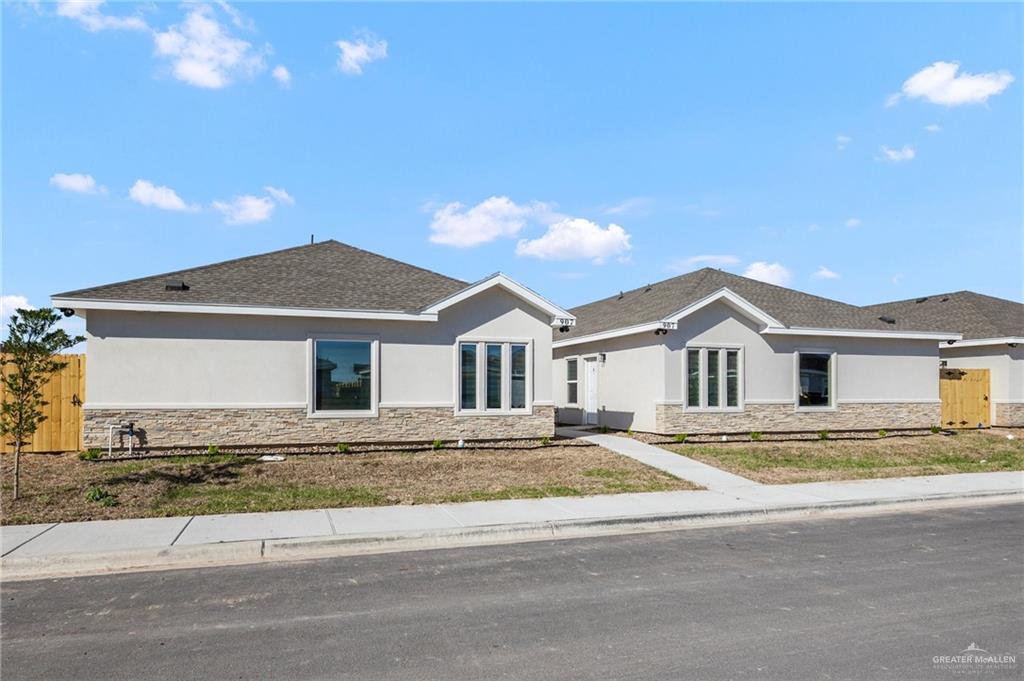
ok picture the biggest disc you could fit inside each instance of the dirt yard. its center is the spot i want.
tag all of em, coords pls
(881, 457)
(62, 487)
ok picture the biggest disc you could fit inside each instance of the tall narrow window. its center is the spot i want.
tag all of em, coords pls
(693, 378)
(467, 375)
(815, 379)
(572, 381)
(343, 376)
(713, 374)
(494, 376)
(517, 377)
(732, 378)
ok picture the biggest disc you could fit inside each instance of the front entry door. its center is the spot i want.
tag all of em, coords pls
(590, 404)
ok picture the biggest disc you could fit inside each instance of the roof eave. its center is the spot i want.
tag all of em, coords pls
(559, 316)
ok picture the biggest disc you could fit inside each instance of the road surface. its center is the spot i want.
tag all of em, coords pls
(875, 597)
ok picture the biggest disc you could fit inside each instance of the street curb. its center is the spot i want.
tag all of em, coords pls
(16, 568)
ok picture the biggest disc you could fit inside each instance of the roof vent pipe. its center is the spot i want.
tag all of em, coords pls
(887, 320)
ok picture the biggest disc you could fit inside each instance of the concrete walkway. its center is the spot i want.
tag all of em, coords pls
(674, 464)
(59, 549)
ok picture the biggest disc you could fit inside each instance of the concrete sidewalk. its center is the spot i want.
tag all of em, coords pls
(34, 551)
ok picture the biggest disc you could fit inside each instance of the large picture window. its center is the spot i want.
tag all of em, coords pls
(713, 378)
(493, 376)
(814, 379)
(343, 376)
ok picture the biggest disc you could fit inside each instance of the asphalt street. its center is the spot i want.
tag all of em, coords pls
(873, 597)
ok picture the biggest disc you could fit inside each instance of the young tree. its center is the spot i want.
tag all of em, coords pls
(28, 362)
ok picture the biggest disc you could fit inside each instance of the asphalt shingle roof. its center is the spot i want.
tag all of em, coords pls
(972, 314)
(327, 275)
(792, 308)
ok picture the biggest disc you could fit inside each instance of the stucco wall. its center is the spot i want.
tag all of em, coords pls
(646, 376)
(167, 360)
(1006, 376)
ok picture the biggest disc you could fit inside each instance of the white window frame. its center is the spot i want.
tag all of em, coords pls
(833, 381)
(578, 360)
(311, 410)
(722, 380)
(481, 376)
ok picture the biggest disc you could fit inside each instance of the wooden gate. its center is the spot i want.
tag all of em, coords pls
(62, 429)
(965, 398)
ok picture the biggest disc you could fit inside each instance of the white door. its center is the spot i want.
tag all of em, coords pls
(590, 404)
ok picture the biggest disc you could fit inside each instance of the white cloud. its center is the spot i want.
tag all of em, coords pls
(493, 218)
(940, 84)
(245, 209)
(842, 141)
(695, 261)
(577, 238)
(90, 15)
(237, 18)
(852, 222)
(204, 54)
(364, 48)
(933, 127)
(813, 227)
(8, 304)
(76, 182)
(280, 195)
(282, 75)
(770, 273)
(824, 273)
(630, 205)
(897, 278)
(148, 194)
(898, 155)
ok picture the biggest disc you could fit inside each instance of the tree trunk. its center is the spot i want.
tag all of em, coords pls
(17, 468)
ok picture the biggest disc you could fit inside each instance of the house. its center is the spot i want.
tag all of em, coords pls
(711, 352)
(993, 340)
(323, 343)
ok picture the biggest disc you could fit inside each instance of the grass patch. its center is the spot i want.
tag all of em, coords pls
(807, 461)
(212, 498)
(552, 490)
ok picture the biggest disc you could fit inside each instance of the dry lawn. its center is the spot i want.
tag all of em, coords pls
(62, 488)
(884, 457)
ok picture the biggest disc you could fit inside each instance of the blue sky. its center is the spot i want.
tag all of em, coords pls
(861, 152)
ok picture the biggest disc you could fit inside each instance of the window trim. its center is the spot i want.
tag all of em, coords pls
(722, 378)
(481, 375)
(833, 380)
(568, 403)
(374, 410)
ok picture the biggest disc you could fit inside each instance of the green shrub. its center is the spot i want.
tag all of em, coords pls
(629, 432)
(604, 429)
(342, 448)
(90, 454)
(823, 434)
(882, 432)
(756, 436)
(545, 440)
(936, 430)
(101, 496)
(437, 444)
(680, 437)
(212, 450)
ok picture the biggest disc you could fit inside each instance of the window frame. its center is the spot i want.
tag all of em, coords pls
(481, 375)
(723, 385)
(311, 410)
(833, 382)
(569, 403)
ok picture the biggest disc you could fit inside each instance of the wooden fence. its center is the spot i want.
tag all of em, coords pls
(62, 429)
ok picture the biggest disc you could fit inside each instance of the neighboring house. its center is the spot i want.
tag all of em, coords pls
(322, 343)
(715, 352)
(993, 339)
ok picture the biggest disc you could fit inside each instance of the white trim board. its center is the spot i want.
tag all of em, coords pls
(977, 342)
(859, 333)
(258, 310)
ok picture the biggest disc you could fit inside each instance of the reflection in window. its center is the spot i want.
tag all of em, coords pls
(493, 376)
(572, 380)
(713, 369)
(815, 380)
(343, 376)
(693, 378)
(517, 362)
(467, 375)
(732, 378)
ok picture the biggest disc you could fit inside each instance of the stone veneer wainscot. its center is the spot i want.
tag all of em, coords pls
(200, 427)
(1009, 414)
(783, 417)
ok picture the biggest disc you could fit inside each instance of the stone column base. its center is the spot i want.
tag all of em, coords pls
(202, 427)
(1009, 414)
